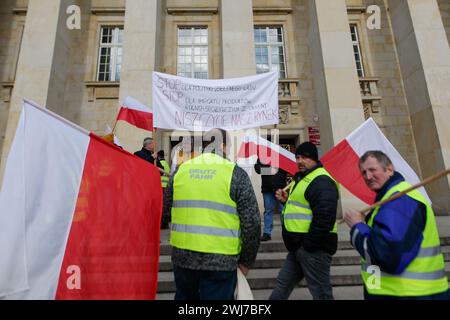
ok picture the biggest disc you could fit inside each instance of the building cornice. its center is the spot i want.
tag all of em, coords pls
(356, 9)
(108, 10)
(192, 11)
(272, 10)
(20, 11)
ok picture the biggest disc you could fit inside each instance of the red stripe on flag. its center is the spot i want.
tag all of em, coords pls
(268, 156)
(140, 119)
(343, 164)
(114, 238)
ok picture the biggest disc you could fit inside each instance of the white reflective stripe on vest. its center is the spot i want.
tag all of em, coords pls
(211, 231)
(434, 275)
(298, 204)
(203, 204)
(429, 252)
(297, 216)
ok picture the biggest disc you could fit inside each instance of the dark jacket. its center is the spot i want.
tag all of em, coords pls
(241, 191)
(146, 155)
(322, 196)
(270, 183)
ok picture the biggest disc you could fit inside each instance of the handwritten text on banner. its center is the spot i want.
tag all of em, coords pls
(232, 104)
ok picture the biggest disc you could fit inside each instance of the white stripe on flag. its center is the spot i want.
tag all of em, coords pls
(45, 215)
(134, 104)
(266, 143)
(369, 137)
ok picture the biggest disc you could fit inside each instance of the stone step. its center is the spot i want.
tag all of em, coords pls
(272, 260)
(278, 246)
(339, 293)
(266, 278)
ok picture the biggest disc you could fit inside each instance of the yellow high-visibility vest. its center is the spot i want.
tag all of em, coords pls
(164, 178)
(204, 217)
(297, 214)
(425, 275)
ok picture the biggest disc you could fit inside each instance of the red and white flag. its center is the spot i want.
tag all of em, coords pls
(342, 162)
(79, 217)
(268, 153)
(137, 114)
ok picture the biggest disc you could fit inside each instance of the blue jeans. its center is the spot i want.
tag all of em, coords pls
(313, 266)
(269, 207)
(204, 285)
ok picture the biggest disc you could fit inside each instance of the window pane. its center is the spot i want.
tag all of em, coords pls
(273, 36)
(193, 52)
(270, 56)
(120, 36)
(357, 50)
(110, 53)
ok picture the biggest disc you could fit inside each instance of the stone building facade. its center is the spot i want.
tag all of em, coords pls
(334, 71)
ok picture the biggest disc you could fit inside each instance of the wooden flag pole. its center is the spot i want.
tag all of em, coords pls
(429, 180)
(288, 186)
(114, 128)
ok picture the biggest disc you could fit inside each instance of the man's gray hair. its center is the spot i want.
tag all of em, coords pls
(147, 141)
(382, 158)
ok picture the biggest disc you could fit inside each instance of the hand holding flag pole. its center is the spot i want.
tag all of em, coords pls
(395, 196)
(286, 189)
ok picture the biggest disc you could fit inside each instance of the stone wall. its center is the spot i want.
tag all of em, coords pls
(444, 6)
(381, 62)
(11, 29)
(94, 107)
(87, 103)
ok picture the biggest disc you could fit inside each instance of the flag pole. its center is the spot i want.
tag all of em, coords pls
(395, 196)
(288, 186)
(114, 128)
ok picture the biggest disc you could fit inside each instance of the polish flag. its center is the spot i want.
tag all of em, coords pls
(137, 114)
(342, 162)
(268, 153)
(79, 217)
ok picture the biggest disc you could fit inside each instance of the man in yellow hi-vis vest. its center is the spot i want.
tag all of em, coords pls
(216, 225)
(164, 165)
(309, 227)
(398, 242)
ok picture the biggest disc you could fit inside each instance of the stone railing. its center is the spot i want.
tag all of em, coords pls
(370, 96)
(288, 96)
(288, 89)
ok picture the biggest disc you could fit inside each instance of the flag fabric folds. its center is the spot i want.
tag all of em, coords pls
(136, 113)
(79, 217)
(342, 162)
(268, 153)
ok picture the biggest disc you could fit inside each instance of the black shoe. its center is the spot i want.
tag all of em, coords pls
(266, 237)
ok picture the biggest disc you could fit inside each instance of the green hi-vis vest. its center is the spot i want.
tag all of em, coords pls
(297, 214)
(164, 178)
(425, 275)
(204, 217)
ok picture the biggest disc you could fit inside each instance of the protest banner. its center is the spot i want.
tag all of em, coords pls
(200, 105)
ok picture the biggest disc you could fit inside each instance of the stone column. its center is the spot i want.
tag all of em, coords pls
(140, 59)
(424, 56)
(42, 64)
(238, 60)
(238, 46)
(336, 84)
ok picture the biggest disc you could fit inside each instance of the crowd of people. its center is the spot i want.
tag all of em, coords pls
(211, 207)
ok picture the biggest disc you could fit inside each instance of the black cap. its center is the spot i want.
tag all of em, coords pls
(309, 150)
(160, 153)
